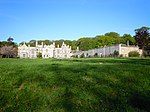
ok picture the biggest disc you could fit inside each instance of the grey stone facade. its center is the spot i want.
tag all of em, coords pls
(107, 51)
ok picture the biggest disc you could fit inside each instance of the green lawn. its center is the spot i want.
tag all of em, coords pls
(78, 85)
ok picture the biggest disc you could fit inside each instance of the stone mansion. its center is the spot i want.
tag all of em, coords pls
(48, 51)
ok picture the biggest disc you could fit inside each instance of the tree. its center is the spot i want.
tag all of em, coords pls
(8, 51)
(113, 34)
(10, 42)
(47, 42)
(73, 45)
(82, 55)
(128, 37)
(31, 43)
(116, 36)
(86, 43)
(104, 41)
(142, 37)
(10, 39)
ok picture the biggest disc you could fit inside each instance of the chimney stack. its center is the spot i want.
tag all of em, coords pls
(36, 43)
(42, 44)
(127, 42)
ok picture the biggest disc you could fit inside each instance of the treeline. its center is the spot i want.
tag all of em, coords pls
(8, 49)
(86, 43)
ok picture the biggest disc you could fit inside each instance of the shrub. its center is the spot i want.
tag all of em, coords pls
(133, 54)
(87, 54)
(145, 54)
(82, 55)
(74, 56)
(39, 55)
(96, 55)
(116, 53)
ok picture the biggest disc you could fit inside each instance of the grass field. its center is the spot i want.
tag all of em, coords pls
(78, 85)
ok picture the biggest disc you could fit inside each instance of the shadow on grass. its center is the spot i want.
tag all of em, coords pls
(141, 100)
(120, 100)
(71, 77)
(67, 102)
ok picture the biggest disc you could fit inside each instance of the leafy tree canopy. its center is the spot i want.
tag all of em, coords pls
(128, 37)
(142, 37)
(113, 34)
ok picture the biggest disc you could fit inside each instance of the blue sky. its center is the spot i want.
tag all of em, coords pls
(70, 19)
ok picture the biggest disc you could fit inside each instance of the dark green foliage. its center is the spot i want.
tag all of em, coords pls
(39, 55)
(112, 34)
(82, 55)
(134, 54)
(128, 37)
(145, 54)
(10, 39)
(96, 55)
(32, 43)
(102, 41)
(6, 43)
(116, 53)
(78, 85)
(71, 43)
(86, 43)
(142, 37)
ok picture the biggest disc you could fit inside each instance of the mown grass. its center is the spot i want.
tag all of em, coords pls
(74, 85)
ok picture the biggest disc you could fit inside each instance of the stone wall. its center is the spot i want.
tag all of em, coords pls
(126, 49)
(108, 51)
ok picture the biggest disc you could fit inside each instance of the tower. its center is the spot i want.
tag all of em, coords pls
(42, 45)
